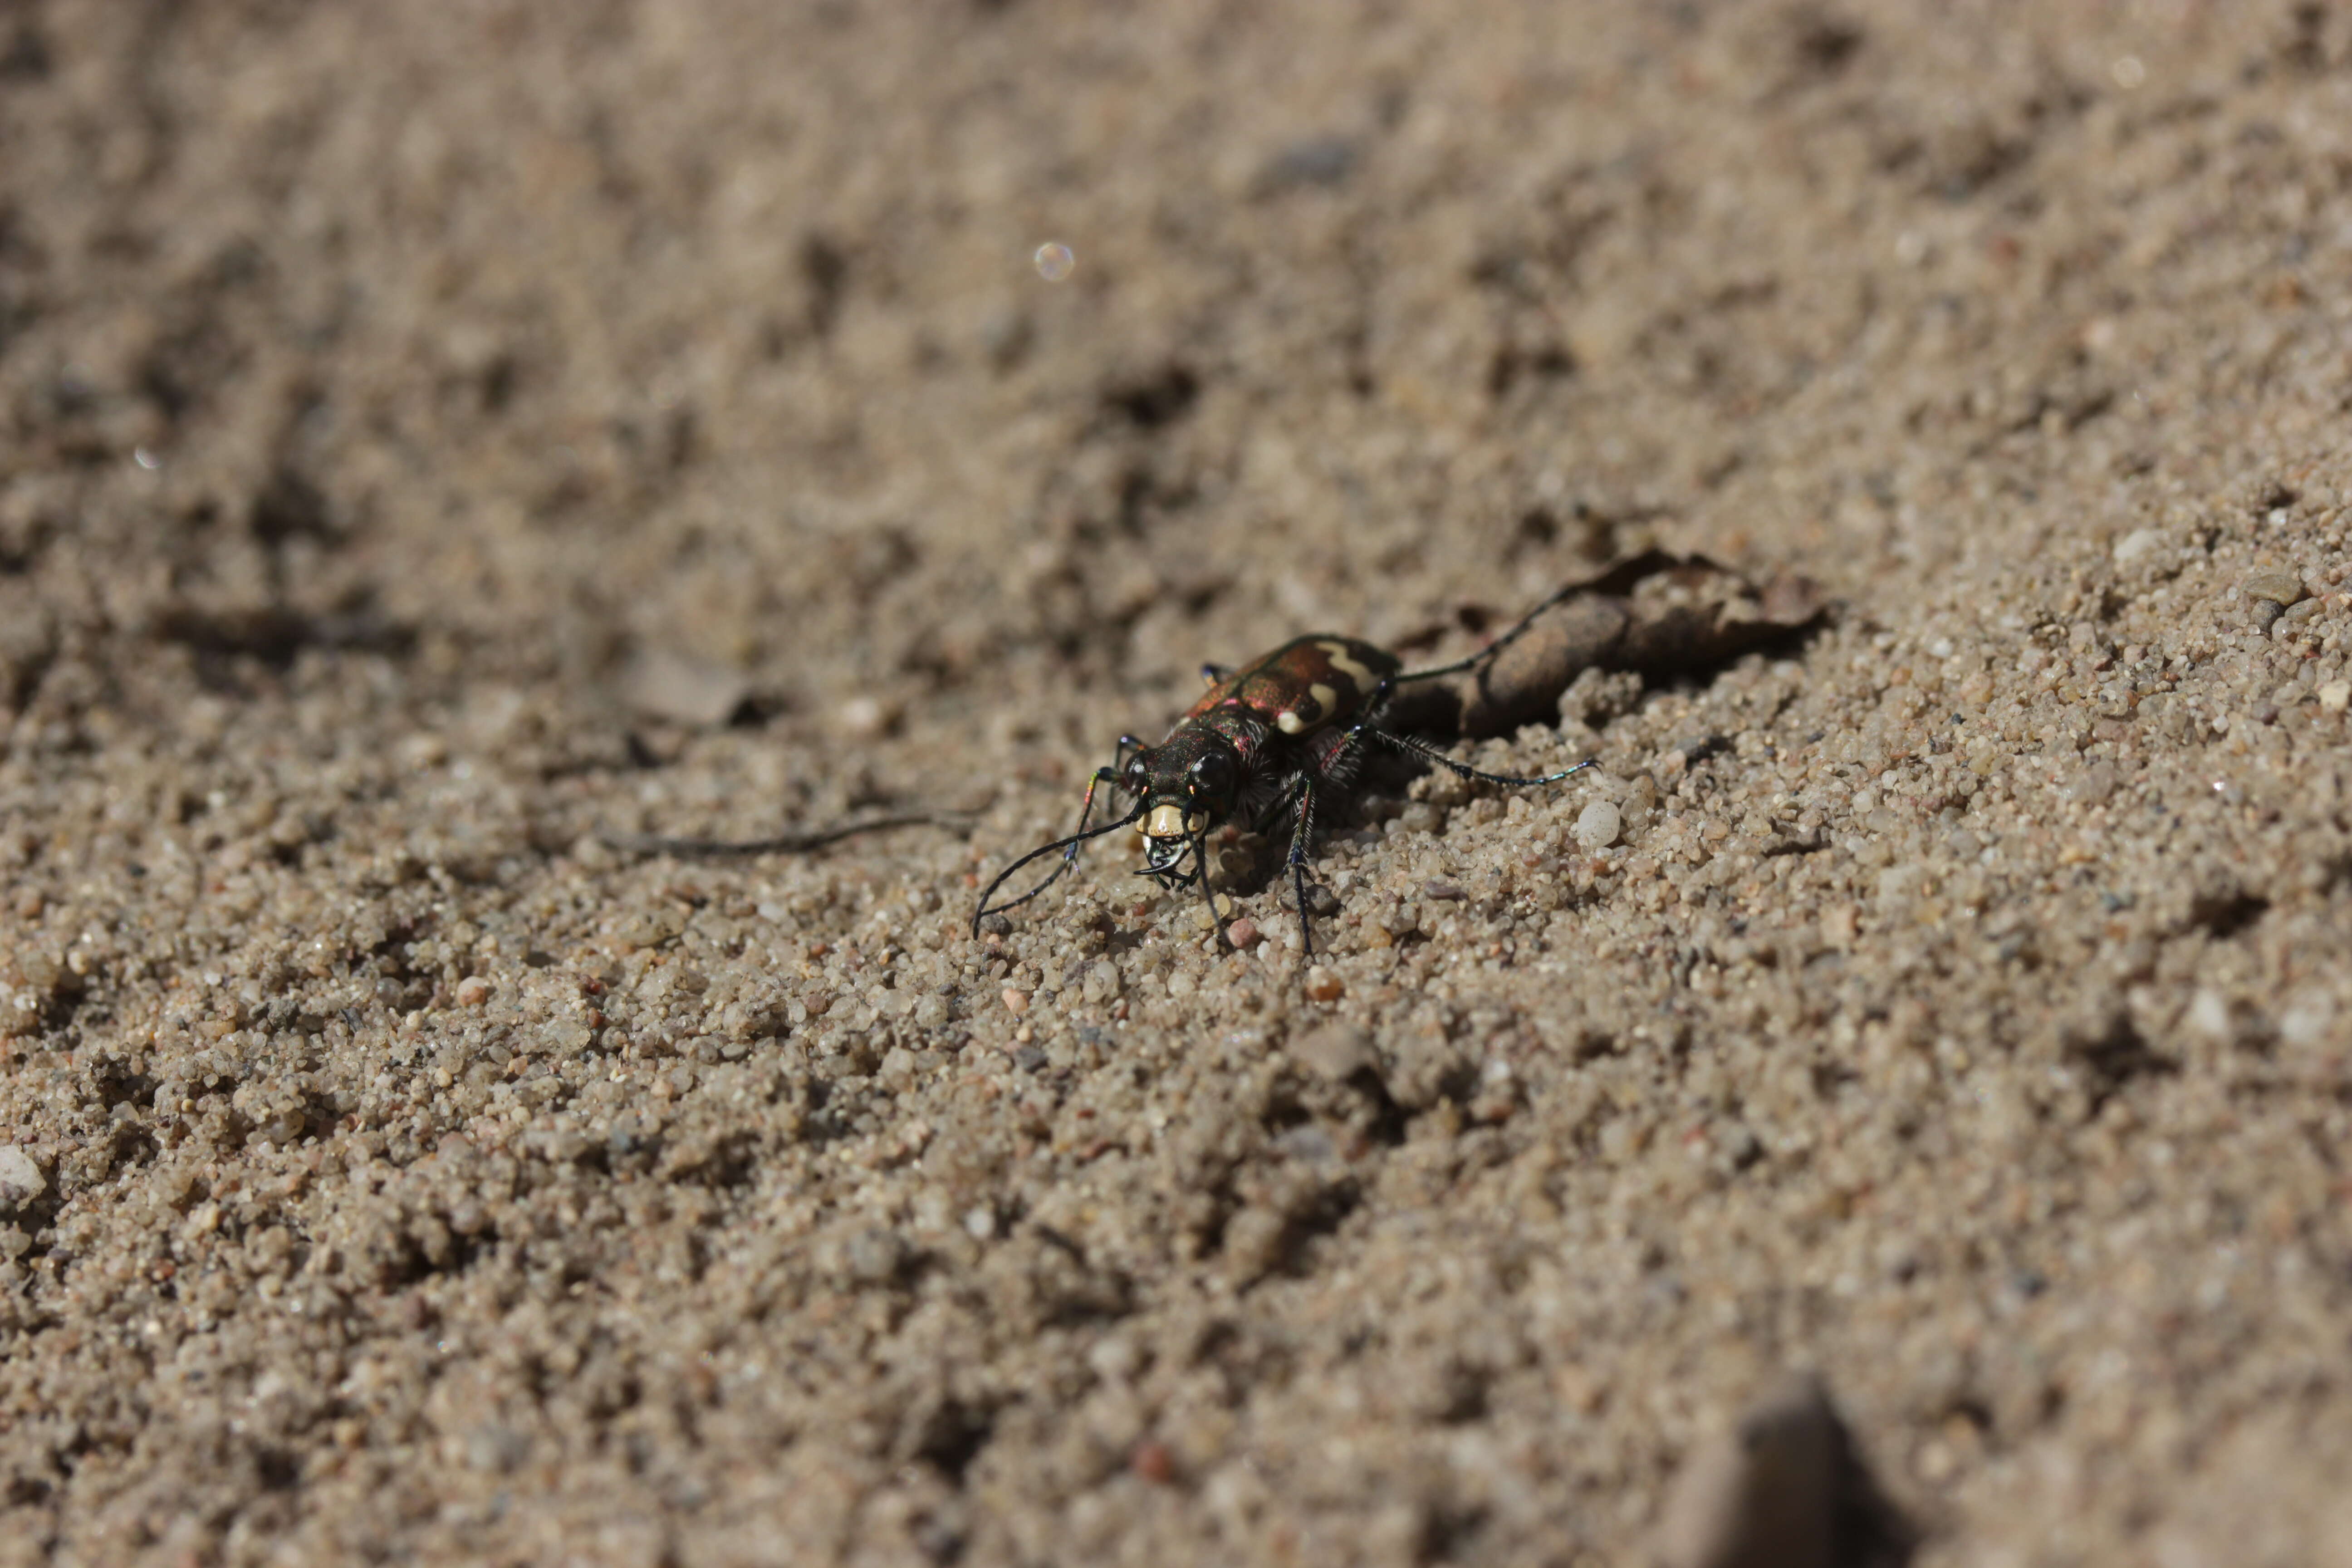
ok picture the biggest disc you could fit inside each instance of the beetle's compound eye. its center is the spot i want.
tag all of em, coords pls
(1212, 775)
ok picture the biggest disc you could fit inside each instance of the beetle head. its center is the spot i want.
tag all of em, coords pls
(1187, 785)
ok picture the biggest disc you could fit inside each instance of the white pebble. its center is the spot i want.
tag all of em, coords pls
(21, 1179)
(862, 718)
(1597, 826)
(1769, 1491)
(2309, 1022)
(2209, 1015)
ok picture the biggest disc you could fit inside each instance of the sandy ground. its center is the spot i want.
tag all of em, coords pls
(437, 438)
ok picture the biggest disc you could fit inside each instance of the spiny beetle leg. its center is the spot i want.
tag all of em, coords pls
(1464, 770)
(1302, 834)
(1201, 869)
(1282, 803)
(1370, 726)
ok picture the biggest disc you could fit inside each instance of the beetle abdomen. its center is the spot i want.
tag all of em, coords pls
(1306, 684)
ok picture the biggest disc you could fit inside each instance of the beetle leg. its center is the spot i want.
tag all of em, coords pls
(1370, 726)
(1284, 804)
(1464, 770)
(1302, 835)
(1201, 869)
(1340, 756)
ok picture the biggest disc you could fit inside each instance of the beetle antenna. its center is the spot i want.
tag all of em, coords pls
(1069, 860)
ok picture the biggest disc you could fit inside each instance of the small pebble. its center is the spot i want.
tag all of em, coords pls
(2336, 696)
(473, 991)
(1243, 933)
(1151, 1461)
(1597, 826)
(1016, 1002)
(21, 1180)
(2093, 784)
(1765, 1494)
(1336, 1052)
(876, 1256)
(865, 718)
(1321, 160)
(1325, 986)
(1220, 902)
(664, 684)
(2308, 1022)
(2281, 588)
(2209, 1015)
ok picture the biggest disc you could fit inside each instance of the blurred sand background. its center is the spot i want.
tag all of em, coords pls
(436, 437)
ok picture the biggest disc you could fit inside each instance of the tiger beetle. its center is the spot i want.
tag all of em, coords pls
(1268, 741)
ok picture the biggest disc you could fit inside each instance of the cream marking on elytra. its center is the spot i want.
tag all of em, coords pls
(1320, 699)
(1349, 664)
